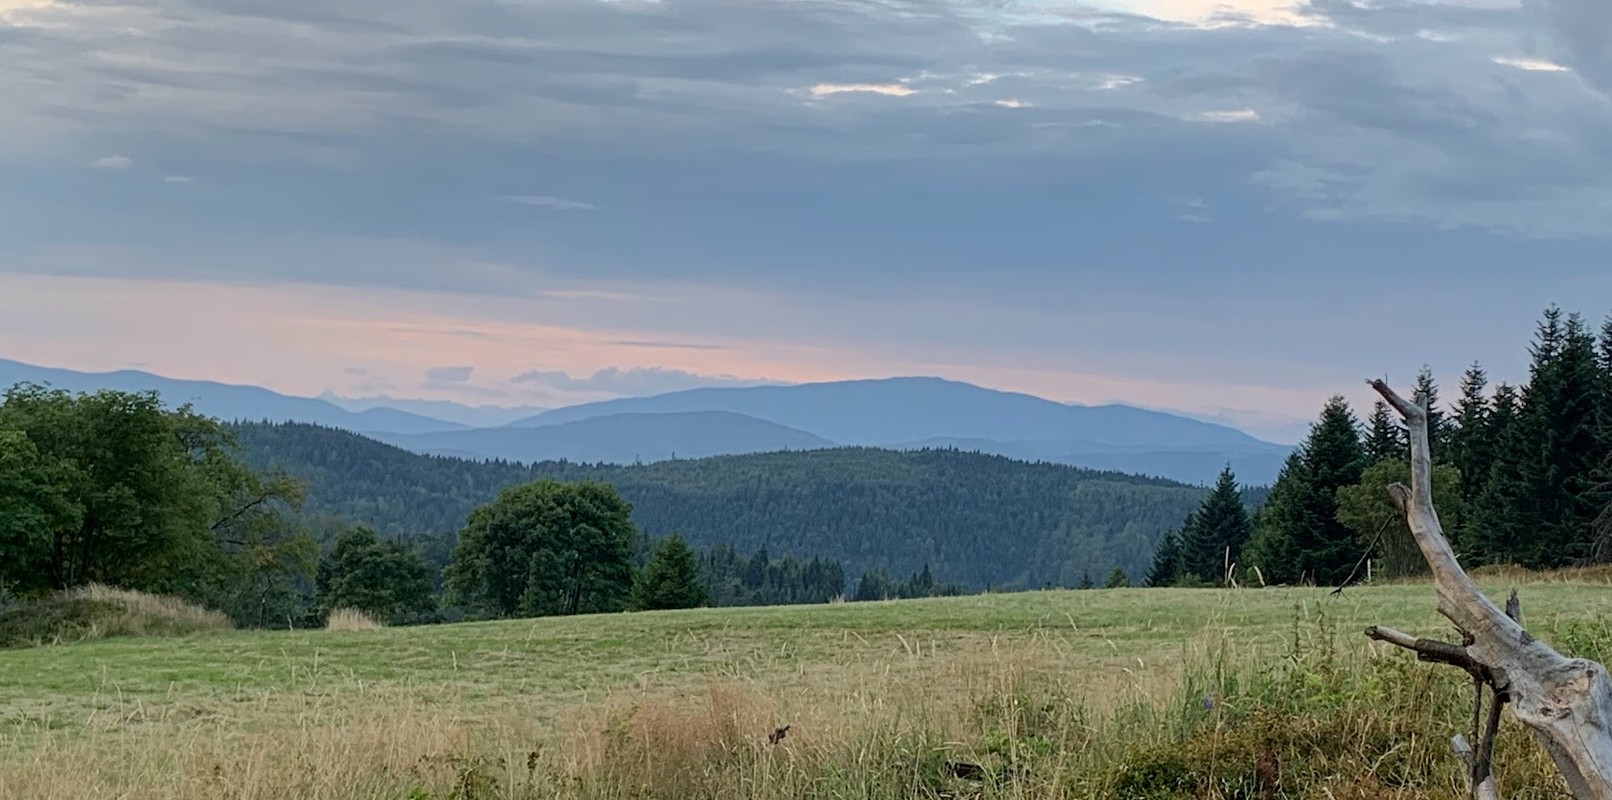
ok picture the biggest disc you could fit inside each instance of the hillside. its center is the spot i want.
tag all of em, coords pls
(976, 519)
(225, 401)
(617, 439)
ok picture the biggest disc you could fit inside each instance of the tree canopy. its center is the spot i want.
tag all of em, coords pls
(385, 579)
(112, 487)
(546, 548)
(671, 579)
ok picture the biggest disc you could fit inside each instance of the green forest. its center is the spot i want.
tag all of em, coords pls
(279, 524)
(975, 520)
(1522, 476)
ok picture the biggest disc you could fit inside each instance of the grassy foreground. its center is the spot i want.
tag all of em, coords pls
(1095, 694)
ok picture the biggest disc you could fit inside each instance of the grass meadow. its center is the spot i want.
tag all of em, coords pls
(1127, 693)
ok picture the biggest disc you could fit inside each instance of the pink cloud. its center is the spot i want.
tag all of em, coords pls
(304, 339)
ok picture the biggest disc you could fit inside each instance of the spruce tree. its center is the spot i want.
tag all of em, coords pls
(1560, 412)
(671, 579)
(1494, 526)
(1270, 549)
(1217, 532)
(1117, 580)
(1166, 562)
(1472, 440)
(1300, 538)
(1385, 436)
(1438, 424)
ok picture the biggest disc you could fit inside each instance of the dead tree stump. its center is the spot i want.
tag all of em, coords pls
(1566, 701)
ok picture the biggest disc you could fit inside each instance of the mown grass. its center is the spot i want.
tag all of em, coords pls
(1113, 693)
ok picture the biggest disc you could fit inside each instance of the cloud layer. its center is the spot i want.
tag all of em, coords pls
(1142, 193)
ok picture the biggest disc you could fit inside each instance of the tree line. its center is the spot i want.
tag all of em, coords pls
(1521, 477)
(115, 488)
(978, 521)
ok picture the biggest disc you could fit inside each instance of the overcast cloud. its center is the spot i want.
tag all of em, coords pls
(1082, 188)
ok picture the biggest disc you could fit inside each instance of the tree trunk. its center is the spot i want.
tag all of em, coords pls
(1566, 701)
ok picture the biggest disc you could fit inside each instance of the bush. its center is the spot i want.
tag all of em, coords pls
(102, 612)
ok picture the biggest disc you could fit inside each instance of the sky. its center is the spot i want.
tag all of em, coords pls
(1227, 209)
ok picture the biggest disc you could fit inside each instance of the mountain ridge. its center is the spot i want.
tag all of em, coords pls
(891, 410)
(631, 438)
(227, 401)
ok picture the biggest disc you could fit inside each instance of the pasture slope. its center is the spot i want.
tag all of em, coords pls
(1072, 694)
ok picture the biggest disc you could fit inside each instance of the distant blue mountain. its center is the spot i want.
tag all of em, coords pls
(896, 413)
(617, 439)
(445, 410)
(226, 401)
(894, 410)
(909, 413)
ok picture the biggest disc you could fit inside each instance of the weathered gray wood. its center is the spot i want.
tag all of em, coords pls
(1566, 701)
(1485, 789)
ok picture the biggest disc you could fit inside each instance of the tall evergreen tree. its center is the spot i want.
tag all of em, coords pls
(1117, 580)
(1538, 509)
(1270, 549)
(671, 579)
(1472, 441)
(1166, 562)
(1300, 538)
(1494, 527)
(1218, 532)
(1385, 436)
(1562, 412)
(1438, 423)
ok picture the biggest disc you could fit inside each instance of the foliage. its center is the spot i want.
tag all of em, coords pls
(1166, 562)
(1539, 503)
(1532, 466)
(113, 488)
(1385, 435)
(1213, 539)
(977, 520)
(732, 580)
(1365, 509)
(387, 580)
(1117, 580)
(671, 580)
(877, 585)
(1298, 538)
(546, 548)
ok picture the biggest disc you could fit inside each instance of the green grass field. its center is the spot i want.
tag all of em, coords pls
(1060, 694)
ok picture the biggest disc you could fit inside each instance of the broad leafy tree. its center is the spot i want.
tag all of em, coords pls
(385, 579)
(113, 487)
(546, 548)
(1365, 509)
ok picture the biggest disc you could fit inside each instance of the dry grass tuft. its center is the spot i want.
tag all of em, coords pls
(351, 619)
(103, 612)
(154, 607)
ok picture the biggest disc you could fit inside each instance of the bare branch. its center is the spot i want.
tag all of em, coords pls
(1430, 649)
(1566, 701)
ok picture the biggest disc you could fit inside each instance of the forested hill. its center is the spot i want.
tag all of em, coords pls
(978, 520)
